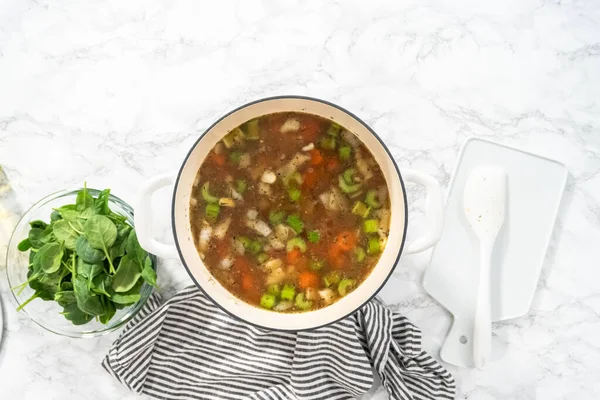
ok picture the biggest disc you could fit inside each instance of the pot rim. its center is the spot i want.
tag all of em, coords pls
(185, 160)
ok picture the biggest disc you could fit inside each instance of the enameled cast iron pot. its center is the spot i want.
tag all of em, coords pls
(186, 250)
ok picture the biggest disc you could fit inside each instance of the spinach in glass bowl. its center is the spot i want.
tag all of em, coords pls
(85, 262)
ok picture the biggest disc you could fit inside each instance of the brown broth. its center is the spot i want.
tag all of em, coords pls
(260, 275)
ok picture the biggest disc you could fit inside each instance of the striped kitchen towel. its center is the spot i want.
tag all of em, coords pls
(188, 348)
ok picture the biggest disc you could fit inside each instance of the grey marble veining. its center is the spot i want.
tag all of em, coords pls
(113, 92)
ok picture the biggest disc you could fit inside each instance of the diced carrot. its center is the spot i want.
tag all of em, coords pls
(316, 157)
(218, 159)
(247, 282)
(308, 279)
(301, 263)
(292, 256)
(346, 240)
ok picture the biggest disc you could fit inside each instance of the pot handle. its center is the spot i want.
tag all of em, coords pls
(143, 217)
(434, 211)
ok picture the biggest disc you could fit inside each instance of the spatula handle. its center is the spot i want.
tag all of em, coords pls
(482, 334)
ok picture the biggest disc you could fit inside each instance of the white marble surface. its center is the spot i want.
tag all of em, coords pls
(113, 92)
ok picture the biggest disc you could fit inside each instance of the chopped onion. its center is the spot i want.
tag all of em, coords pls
(283, 306)
(226, 263)
(276, 244)
(273, 264)
(327, 295)
(311, 294)
(252, 214)
(235, 194)
(222, 228)
(197, 180)
(350, 138)
(268, 177)
(193, 202)
(276, 276)
(238, 247)
(308, 147)
(384, 216)
(363, 167)
(291, 166)
(333, 200)
(260, 226)
(204, 239)
(291, 125)
(264, 189)
(226, 202)
(218, 149)
(284, 232)
(244, 161)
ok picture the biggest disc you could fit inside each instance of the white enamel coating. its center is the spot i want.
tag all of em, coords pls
(484, 203)
(218, 293)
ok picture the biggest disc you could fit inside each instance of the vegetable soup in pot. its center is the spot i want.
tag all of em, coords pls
(290, 212)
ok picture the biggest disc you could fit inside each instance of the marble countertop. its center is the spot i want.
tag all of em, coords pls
(114, 92)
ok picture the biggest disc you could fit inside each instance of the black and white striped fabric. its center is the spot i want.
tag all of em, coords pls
(190, 349)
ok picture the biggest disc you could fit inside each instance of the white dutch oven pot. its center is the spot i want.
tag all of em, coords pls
(184, 243)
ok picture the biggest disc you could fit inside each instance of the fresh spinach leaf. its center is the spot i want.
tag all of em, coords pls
(101, 203)
(65, 233)
(84, 200)
(24, 245)
(118, 248)
(35, 237)
(109, 312)
(86, 252)
(129, 297)
(55, 216)
(134, 250)
(101, 284)
(38, 224)
(88, 271)
(75, 315)
(127, 274)
(101, 233)
(66, 286)
(117, 218)
(64, 298)
(148, 272)
(87, 301)
(50, 256)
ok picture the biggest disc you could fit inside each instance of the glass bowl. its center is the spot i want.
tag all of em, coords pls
(47, 313)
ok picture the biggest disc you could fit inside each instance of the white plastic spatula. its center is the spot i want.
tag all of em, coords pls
(485, 205)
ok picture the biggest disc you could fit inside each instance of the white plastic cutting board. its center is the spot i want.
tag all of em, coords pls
(535, 188)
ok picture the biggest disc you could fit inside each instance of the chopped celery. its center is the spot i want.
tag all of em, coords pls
(262, 257)
(333, 129)
(295, 223)
(252, 129)
(316, 265)
(371, 199)
(328, 142)
(313, 236)
(374, 246)
(241, 186)
(349, 175)
(345, 285)
(255, 247)
(293, 178)
(274, 289)
(235, 157)
(294, 194)
(228, 140)
(244, 241)
(331, 278)
(212, 211)
(359, 254)
(360, 209)
(209, 198)
(238, 135)
(288, 292)
(370, 225)
(276, 217)
(268, 300)
(296, 243)
(302, 303)
(344, 152)
(346, 188)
